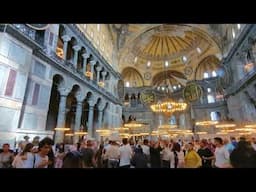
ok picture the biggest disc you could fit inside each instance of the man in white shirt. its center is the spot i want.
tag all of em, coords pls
(112, 155)
(145, 147)
(221, 154)
(125, 154)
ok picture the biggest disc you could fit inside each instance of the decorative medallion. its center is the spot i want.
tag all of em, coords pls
(188, 71)
(120, 88)
(147, 75)
(192, 92)
(38, 26)
(147, 97)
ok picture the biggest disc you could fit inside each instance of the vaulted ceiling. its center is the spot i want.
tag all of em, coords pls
(152, 49)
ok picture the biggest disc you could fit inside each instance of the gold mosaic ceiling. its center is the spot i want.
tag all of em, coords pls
(166, 42)
(154, 48)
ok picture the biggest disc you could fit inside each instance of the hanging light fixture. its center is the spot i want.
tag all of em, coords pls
(167, 106)
(206, 123)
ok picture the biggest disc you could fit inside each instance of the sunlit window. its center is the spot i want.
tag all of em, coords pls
(98, 27)
(206, 75)
(184, 58)
(127, 84)
(210, 99)
(215, 116)
(173, 120)
(198, 50)
(166, 63)
(148, 64)
(135, 59)
(214, 74)
(233, 33)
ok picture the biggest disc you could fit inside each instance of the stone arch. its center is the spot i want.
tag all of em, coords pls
(71, 106)
(133, 76)
(208, 64)
(171, 80)
(53, 109)
(60, 42)
(80, 59)
(70, 51)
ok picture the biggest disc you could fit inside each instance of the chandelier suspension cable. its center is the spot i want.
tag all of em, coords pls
(166, 105)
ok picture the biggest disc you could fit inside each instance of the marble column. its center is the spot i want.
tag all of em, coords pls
(91, 132)
(76, 48)
(59, 135)
(103, 73)
(98, 69)
(130, 100)
(79, 109)
(100, 117)
(85, 57)
(92, 63)
(109, 116)
(65, 39)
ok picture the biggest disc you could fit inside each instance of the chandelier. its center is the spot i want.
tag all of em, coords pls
(133, 124)
(168, 107)
(206, 123)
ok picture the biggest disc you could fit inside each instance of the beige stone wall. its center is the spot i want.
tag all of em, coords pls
(101, 39)
(241, 107)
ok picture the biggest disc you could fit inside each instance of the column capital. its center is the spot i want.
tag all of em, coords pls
(76, 47)
(98, 68)
(66, 38)
(86, 55)
(64, 91)
(79, 98)
(91, 102)
(93, 62)
(104, 73)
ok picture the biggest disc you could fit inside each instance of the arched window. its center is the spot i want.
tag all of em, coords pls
(127, 84)
(173, 120)
(206, 75)
(210, 98)
(215, 116)
(214, 74)
(233, 33)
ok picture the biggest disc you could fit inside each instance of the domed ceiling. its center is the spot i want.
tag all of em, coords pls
(165, 42)
(154, 48)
